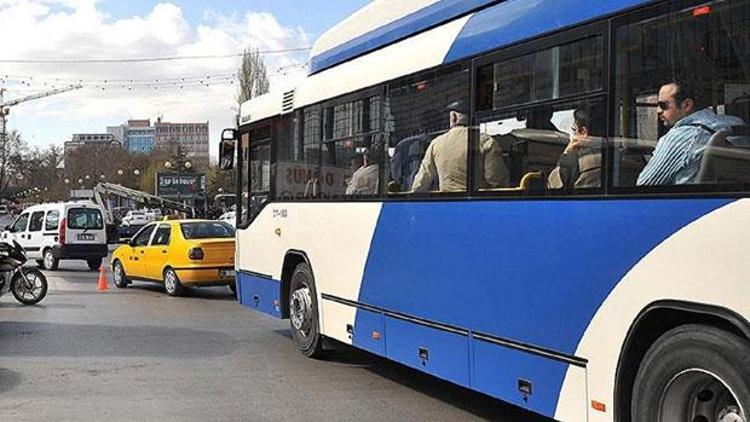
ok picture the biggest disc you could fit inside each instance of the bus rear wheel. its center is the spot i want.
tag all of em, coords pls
(694, 373)
(303, 312)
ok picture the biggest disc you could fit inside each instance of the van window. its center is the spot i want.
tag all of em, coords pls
(37, 220)
(53, 220)
(20, 224)
(85, 218)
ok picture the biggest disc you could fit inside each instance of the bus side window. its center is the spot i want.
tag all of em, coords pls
(416, 114)
(702, 50)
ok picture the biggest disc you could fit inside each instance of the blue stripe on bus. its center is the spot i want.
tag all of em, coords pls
(258, 293)
(534, 272)
(430, 16)
(515, 20)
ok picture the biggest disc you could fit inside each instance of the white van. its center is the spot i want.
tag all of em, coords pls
(69, 230)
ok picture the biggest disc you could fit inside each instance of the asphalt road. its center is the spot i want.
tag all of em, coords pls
(137, 354)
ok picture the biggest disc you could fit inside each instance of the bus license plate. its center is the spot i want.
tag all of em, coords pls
(227, 273)
(85, 236)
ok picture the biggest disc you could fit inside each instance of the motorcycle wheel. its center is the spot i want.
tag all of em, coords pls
(30, 290)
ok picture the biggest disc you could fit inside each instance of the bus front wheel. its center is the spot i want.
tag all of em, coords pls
(694, 373)
(303, 312)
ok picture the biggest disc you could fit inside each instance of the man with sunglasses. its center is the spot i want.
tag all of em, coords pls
(678, 154)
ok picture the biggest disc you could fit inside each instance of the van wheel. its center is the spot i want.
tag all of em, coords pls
(694, 373)
(171, 283)
(49, 262)
(303, 313)
(118, 272)
(94, 263)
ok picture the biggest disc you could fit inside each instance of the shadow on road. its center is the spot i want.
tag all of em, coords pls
(478, 404)
(8, 380)
(65, 340)
(203, 293)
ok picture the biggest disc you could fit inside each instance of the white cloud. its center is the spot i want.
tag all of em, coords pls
(77, 29)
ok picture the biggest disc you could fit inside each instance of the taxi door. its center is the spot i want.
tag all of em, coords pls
(157, 252)
(135, 265)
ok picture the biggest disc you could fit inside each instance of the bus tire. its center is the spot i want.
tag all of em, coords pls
(693, 373)
(303, 312)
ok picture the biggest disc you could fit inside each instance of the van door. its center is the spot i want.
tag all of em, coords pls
(17, 230)
(34, 235)
(85, 227)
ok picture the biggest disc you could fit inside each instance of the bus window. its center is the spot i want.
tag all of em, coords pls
(557, 147)
(701, 48)
(416, 114)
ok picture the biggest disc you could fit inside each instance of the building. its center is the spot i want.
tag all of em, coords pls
(140, 136)
(91, 139)
(188, 139)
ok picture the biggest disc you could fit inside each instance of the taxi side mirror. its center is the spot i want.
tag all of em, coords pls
(227, 149)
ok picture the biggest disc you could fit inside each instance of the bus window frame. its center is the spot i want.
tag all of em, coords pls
(242, 203)
(690, 190)
(586, 30)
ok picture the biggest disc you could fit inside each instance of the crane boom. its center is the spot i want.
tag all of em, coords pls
(37, 96)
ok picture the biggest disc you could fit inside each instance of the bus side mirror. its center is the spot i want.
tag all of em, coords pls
(227, 149)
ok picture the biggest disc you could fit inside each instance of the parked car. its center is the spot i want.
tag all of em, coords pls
(229, 218)
(50, 233)
(178, 253)
(135, 218)
(153, 215)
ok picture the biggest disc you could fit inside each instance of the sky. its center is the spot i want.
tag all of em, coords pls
(176, 90)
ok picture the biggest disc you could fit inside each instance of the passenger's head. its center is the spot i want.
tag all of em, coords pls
(357, 161)
(581, 122)
(677, 99)
(459, 113)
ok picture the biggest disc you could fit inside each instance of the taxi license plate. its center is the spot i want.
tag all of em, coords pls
(227, 273)
(85, 236)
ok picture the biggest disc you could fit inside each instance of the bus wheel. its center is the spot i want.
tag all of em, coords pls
(303, 312)
(694, 373)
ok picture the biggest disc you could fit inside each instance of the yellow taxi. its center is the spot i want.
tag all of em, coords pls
(178, 253)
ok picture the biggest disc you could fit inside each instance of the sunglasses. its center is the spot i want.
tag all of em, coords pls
(663, 105)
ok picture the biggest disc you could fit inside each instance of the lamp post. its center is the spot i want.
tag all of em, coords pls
(180, 162)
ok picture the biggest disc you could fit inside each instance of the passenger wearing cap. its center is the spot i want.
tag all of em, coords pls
(364, 181)
(445, 158)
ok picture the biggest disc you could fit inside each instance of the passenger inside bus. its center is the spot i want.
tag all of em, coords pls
(580, 164)
(445, 158)
(365, 179)
(408, 154)
(678, 154)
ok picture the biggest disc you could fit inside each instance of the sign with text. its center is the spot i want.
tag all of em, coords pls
(180, 185)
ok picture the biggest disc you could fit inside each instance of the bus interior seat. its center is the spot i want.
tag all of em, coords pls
(532, 150)
(727, 157)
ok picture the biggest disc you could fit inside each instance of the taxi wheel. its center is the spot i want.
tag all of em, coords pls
(49, 261)
(118, 272)
(233, 287)
(171, 283)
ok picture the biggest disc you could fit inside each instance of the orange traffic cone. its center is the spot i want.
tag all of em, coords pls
(102, 280)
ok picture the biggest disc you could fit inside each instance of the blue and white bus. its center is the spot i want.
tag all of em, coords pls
(593, 298)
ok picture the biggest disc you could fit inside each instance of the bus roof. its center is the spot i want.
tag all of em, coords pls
(388, 39)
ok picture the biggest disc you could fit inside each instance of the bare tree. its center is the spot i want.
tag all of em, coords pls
(252, 76)
(10, 150)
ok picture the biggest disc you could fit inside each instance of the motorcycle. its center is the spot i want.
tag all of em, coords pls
(28, 284)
